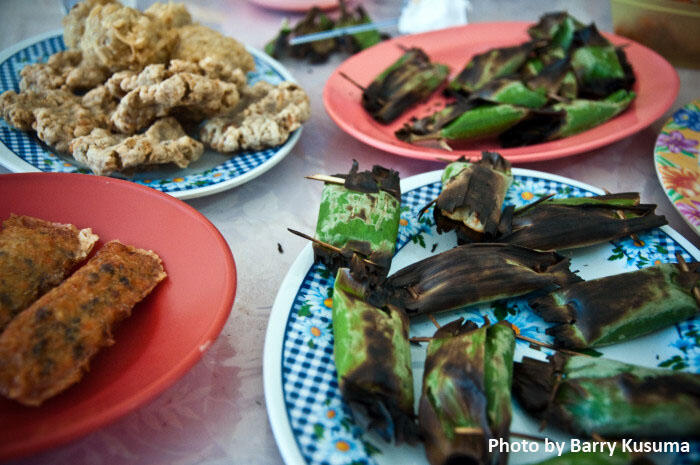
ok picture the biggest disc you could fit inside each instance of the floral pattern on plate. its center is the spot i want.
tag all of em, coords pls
(677, 158)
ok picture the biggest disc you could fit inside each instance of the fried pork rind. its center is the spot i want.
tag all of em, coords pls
(164, 142)
(49, 346)
(74, 21)
(36, 255)
(187, 95)
(63, 70)
(119, 37)
(266, 116)
(197, 42)
(57, 116)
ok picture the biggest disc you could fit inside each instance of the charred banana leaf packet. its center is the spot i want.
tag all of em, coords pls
(566, 79)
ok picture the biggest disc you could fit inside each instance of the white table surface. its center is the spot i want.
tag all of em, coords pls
(216, 412)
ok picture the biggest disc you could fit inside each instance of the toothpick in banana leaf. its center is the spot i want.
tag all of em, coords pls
(472, 196)
(467, 384)
(373, 360)
(471, 274)
(586, 395)
(409, 80)
(620, 307)
(360, 217)
(557, 224)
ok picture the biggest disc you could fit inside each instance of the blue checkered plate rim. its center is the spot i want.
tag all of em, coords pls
(214, 172)
(310, 421)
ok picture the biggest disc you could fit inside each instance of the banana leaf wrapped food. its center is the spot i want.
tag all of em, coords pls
(618, 457)
(490, 65)
(620, 307)
(373, 359)
(471, 274)
(361, 218)
(586, 395)
(467, 384)
(556, 224)
(472, 196)
(409, 80)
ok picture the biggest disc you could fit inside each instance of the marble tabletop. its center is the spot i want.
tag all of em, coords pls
(216, 412)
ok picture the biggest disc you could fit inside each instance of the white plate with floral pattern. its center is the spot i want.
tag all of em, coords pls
(21, 152)
(310, 421)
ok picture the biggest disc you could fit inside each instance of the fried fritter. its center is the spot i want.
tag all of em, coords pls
(170, 15)
(56, 115)
(266, 116)
(163, 92)
(48, 346)
(124, 82)
(118, 37)
(74, 21)
(36, 255)
(63, 70)
(164, 142)
(197, 42)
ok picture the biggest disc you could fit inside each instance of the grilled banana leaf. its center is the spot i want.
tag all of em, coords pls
(467, 384)
(620, 307)
(565, 119)
(587, 395)
(472, 196)
(557, 28)
(471, 274)
(618, 457)
(373, 360)
(361, 218)
(557, 224)
(409, 80)
(490, 65)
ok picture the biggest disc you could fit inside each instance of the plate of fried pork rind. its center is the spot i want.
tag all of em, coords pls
(151, 97)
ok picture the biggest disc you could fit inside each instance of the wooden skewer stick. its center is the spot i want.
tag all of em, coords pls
(434, 320)
(474, 430)
(420, 339)
(352, 81)
(468, 430)
(621, 215)
(684, 267)
(326, 178)
(325, 244)
(548, 346)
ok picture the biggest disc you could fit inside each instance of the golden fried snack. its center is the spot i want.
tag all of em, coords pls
(63, 70)
(123, 82)
(197, 42)
(190, 96)
(74, 21)
(36, 255)
(164, 142)
(266, 116)
(118, 37)
(56, 115)
(170, 15)
(48, 347)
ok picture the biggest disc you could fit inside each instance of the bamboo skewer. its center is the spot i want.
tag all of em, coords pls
(326, 178)
(684, 267)
(326, 245)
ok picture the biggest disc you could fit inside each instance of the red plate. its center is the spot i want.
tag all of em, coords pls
(167, 332)
(656, 87)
